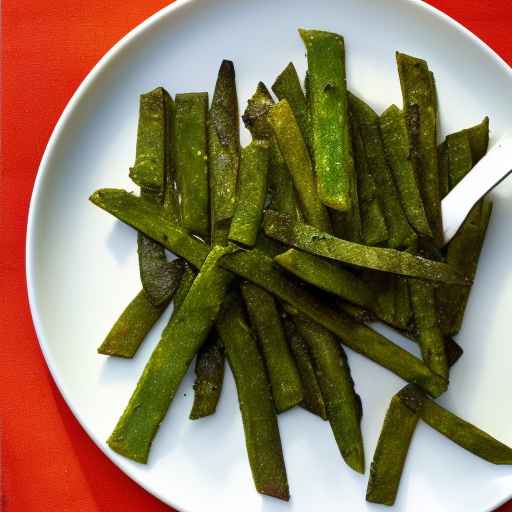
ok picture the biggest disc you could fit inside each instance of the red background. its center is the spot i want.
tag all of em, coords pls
(48, 47)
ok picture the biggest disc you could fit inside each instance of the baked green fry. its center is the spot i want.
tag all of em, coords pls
(131, 327)
(151, 220)
(282, 371)
(259, 419)
(280, 185)
(171, 199)
(312, 240)
(374, 230)
(420, 110)
(391, 451)
(223, 152)
(430, 336)
(328, 276)
(259, 269)
(186, 283)
(313, 400)
(295, 153)
(191, 161)
(342, 404)
(456, 429)
(460, 160)
(252, 192)
(478, 139)
(209, 377)
(329, 117)
(397, 145)
(287, 87)
(401, 235)
(180, 341)
(149, 169)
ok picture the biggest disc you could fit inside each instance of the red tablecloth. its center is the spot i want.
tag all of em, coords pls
(48, 46)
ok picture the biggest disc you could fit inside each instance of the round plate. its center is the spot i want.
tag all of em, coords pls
(82, 264)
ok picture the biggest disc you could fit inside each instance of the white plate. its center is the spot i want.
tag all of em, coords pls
(82, 265)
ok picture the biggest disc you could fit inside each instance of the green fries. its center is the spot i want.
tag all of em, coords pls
(312, 240)
(259, 419)
(295, 153)
(191, 160)
(282, 370)
(287, 249)
(329, 117)
(252, 192)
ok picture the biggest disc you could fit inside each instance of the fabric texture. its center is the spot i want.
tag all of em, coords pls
(48, 463)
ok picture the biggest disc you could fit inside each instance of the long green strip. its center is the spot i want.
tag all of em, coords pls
(430, 336)
(389, 457)
(282, 370)
(328, 276)
(223, 152)
(280, 185)
(397, 146)
(373, 226)
(329, 117)
(180, 341)
(343, 405)
(296, 155)
(150, 220)
(252, 192)
(260, 270)
(287, 87)
(209, 377)
(465, 434)
(313, 401)
(401, 235)
(259, 419)
(420, 108)
(312, 240)
(191, 160)
(131, 327)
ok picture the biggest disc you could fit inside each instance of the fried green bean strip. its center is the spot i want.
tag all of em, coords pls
(312, 240)
(460, 160)
(420, 109)
(373, 226)
(191, 160)
(391, 451)
(151, 220)
(403, 309)
(287, 87)
(295, 153)
(280, 184)
(342, 404)
(252, 192)
(430, 337)
(397, 146)
(328, 276)
(209, 377)
(329, 117)
(259, 419)
(131, 327)
(478, 139)
(461, 432)
(259, 269)
(313, 400)
(401, 235)
(149, 169)
(223, 152)
(180, 341)
(282, 370)
(171, 199)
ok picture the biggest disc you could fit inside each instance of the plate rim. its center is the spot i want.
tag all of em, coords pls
(59, 127)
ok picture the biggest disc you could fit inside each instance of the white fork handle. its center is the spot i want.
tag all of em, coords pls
(495, 166)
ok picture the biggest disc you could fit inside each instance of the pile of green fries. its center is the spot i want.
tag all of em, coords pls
(287, 248)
